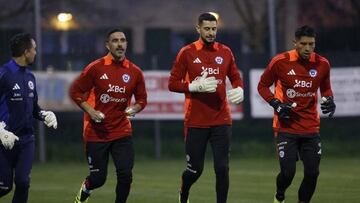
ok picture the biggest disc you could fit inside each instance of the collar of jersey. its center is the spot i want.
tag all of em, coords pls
(108, 60)
(199, 44)
(14, 67)
(294, 56)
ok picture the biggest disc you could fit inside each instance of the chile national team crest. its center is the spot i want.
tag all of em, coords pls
(219, 60)
(126, 78)
(312, 73)
(31, 85)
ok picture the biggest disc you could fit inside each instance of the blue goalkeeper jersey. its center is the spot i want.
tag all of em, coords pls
(18, 99)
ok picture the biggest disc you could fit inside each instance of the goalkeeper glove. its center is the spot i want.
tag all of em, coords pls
(49, 118)
(7, 138)
(328, 105)
(203, 84)
(235, 95)
(130, 112)
(282, 109)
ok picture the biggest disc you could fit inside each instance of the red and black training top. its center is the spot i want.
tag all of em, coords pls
(205, 109)
(108, 87)
(297, 80)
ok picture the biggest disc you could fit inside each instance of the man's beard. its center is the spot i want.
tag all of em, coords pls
(206, 42)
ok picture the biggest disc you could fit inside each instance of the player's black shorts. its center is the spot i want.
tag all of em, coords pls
(121, 150)
(292, 147)
(196, 143)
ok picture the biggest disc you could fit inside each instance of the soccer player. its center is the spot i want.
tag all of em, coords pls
(200, 71)
(103, 91)
(18, 108)
(297, 75)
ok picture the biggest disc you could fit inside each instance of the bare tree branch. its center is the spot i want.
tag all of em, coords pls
(242, 14)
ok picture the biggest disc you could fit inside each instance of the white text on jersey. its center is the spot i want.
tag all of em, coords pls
(211, 71)
(303, 83)
(117, 89)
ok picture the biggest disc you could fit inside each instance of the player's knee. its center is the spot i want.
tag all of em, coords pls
(124, 176)
(222, 170)
(22, 183)
(312, 174)
(288, 174)
(5, 188)
(96, 181)
(195, 171)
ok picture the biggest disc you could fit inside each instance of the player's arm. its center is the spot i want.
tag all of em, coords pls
(267, 79)
(140, 97)
(79, 91)
(95, 115)
(327, 101)
(48, 117)
(7, 138)
(178, 80)
(236, 94)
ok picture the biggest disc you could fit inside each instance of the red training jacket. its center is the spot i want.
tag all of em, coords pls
(205, 109)
(108, 87)
(297, 80)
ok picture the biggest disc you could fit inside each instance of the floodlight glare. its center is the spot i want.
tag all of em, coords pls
(64, 17)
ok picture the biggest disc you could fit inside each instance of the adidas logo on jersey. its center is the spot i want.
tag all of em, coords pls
(16, 87)
(291, 72)
(197, 60)
(104, 77)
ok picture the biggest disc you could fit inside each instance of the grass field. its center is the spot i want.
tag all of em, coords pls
(252, 181)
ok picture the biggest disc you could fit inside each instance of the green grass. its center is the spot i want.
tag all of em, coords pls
(252, 181)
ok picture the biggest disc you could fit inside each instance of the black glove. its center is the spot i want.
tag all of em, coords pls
(282, 109)
(328, 106)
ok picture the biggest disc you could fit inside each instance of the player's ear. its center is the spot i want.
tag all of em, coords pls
(107, 45)
(198, 28)
(294, 42)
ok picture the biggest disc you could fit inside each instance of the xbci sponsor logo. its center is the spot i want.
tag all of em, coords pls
(291, 93)
(303, 83)
(105, 98)
(116, 88)
(211, 71)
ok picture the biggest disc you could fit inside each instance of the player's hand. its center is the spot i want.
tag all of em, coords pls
(49, 118)
(96, 116)
(283, 110)
(7, 138)
(328, 106)
(130, 111)
(203, 84)
(235, 95)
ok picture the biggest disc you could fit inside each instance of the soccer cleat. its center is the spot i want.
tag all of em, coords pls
(82, 195)
(180, 199)
(277, 201)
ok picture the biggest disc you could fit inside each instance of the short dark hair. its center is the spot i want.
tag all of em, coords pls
(206, 16)
(306, 31)
(111, 32)
(19, 43)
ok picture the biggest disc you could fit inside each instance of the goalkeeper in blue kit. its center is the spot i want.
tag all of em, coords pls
(18, 108)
